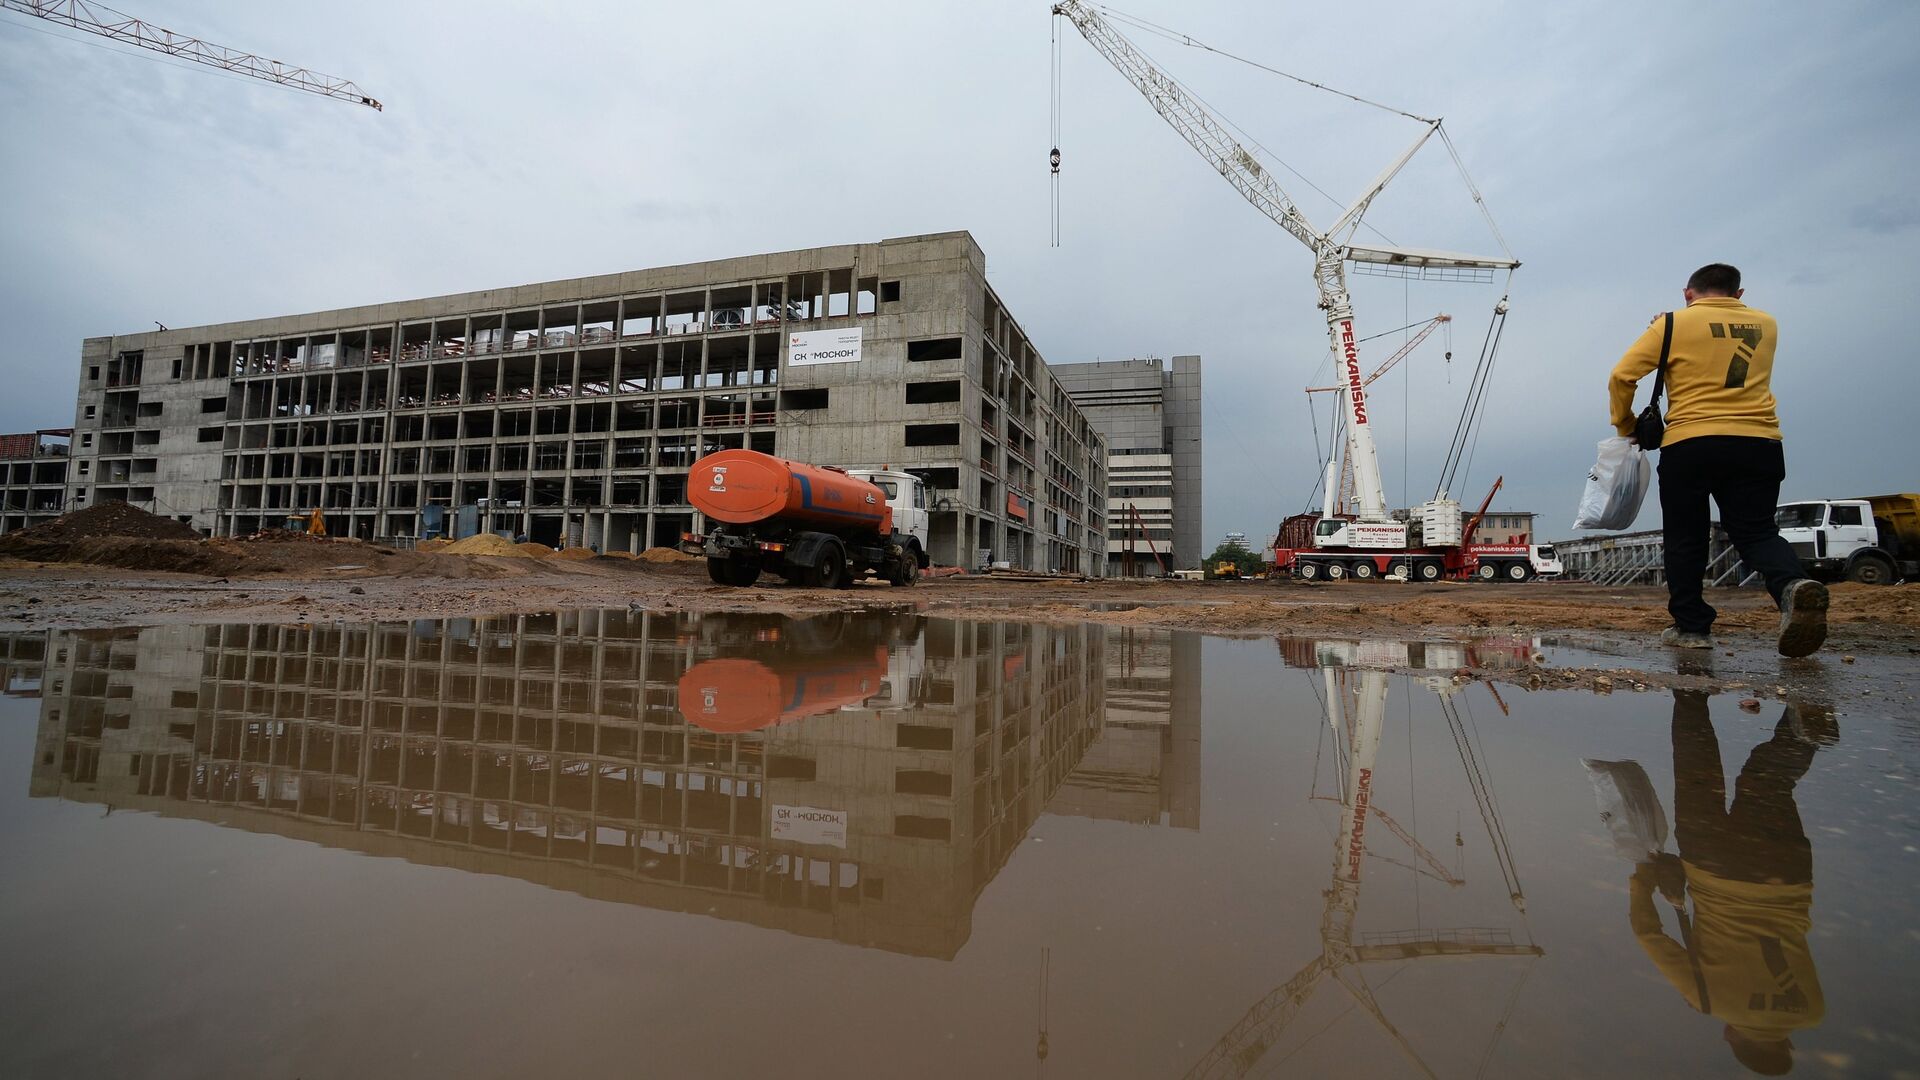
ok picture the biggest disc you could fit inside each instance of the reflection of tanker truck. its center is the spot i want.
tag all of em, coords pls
(781, 670)
(810, 524)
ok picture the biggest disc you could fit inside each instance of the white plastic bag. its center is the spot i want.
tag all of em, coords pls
(1616, 486)
(1629, 807)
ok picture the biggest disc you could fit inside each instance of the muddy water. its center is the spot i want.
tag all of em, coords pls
(883, 845)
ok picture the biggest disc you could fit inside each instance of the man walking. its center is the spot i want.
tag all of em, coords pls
(1722, 442)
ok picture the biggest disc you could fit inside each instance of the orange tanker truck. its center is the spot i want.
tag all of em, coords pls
(810, 524)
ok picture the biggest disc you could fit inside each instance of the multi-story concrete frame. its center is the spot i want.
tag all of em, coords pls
(554, 749)
(572, 409)
(33, 477)
(1150, 416)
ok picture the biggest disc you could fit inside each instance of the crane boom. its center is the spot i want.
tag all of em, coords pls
(1398, 355)
(1202, 130)
(1208, 135)
(119, 26)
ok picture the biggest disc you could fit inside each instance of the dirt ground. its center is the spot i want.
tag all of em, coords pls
(310, 580)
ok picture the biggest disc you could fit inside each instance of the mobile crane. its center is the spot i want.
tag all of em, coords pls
(1418, 540)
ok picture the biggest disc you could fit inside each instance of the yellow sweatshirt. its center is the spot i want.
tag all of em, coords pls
(1750, 944)
(1719, 372)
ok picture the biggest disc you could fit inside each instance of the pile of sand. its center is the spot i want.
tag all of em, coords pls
(532, 550)
(435, 544)
(575, 553)
(666, 555)
(489, 544)
(627, 555)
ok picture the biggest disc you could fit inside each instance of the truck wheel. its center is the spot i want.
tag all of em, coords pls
(1335, 571)
(1487, 572)
(742, 574)
(1364, 570)
(906, 571)
(1518, 571)
(1871, 571)
(1308, 571)
(1399, 568)
(717, 571)
(830, 566)
(1428, 570)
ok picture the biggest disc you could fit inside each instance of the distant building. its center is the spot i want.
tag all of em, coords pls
(1149, 413)
(33, 477)
(1505, 527)
(1235, 540)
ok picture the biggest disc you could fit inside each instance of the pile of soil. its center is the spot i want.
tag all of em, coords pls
(532, 550)
(100, 520)
(435, 544)
(575, 553)
(666, 555)
(488, 544)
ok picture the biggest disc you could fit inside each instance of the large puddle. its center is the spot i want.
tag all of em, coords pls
(612, 843)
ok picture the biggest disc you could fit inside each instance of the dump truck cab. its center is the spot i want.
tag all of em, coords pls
(1869, 540)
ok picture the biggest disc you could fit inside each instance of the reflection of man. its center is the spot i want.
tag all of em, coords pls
(1743, 956)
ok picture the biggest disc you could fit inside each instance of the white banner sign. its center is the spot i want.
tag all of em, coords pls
(807, 347)
(810, 824)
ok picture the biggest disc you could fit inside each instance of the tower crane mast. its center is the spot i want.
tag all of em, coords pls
(101, 20)
(1332, 248)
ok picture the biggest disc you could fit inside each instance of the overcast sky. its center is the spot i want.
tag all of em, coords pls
(1618, 145)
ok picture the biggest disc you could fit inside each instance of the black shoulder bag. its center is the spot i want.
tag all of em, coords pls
(1651, 427)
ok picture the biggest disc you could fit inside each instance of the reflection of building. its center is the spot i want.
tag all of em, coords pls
(553, 748)
(1150, 414)
(1145, 765)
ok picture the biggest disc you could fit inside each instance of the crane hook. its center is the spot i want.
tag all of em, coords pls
(1053, 159)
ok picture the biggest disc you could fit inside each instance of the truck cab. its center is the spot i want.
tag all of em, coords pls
(1545, 562)
(907, 495)
(1840, 538)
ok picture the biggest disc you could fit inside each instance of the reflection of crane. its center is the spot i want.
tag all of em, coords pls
(1333, 248)
(1247, 1041)
(119, 26)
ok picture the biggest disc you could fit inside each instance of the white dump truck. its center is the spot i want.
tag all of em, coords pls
(1875, 540)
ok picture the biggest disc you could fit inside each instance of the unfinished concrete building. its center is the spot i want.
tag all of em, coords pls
(1149, 414)
(570, 411)
(558, 749)
(33, 477)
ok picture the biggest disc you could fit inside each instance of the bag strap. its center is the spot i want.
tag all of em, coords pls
(1666, 347)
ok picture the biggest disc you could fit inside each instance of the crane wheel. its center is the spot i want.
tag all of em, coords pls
(1308, 571)
(1428, 570)
(1335, 571)
(1487, 572)
(1518, 571)
(1364, 570)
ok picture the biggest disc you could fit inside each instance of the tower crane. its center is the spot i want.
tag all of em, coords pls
(1332, 247)
(118, 26)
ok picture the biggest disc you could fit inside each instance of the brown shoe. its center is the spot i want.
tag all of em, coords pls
(1803, 618)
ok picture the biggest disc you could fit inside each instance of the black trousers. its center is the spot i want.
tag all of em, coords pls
(1760, 837)
(1742, 474)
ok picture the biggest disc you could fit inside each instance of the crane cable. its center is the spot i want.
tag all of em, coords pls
(1053, 156)
(1179, 38)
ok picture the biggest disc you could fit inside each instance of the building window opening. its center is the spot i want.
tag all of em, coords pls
(928, 393)
(804, 399)
(934, 349)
